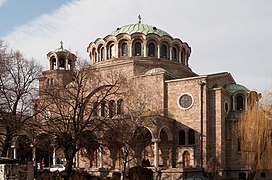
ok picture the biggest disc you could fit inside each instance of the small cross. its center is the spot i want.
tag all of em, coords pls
(140, 19)
(61, 44)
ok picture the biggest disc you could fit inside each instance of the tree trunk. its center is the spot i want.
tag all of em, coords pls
(69, 155)
(7, 144)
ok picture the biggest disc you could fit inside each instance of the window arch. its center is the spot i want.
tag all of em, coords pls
(103, 108)
(164, 51)
(120, 106)
(112, 51)
(191, 136)
(181, 137)
(174, 54)
(124, 49)
(62, 63)
(111, 108)
(182, 54)
(137, 49)
(240, 102)
(53, 63)
(48, 82)
(102, 54)
(95, 108)
(151, 49)
(186, 158)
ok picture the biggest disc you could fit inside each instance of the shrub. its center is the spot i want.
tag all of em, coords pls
(140, 173)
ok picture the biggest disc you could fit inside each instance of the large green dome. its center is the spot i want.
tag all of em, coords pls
(139, 28)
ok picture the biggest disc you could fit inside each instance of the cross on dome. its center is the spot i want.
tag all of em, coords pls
(139, 18)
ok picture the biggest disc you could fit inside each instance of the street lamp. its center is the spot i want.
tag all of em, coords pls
(14, 151)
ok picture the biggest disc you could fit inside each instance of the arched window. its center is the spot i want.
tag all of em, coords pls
(163, 51)
(191, 136)
(69, 67)
(62, 63)
(95, 108)
(240, 102)
(111, 108)
(174, 54)
(124, 49)
(186, 158)
(53, 63)
(151, 49)
(138, 49)
(52, 83)
(181, 137)
(238, 144)
(102, 54)
(112, 51)
(48, 82)
(103, 109)
(181, 56)
(120, 106)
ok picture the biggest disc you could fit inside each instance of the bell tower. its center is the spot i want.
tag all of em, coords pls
(61, 59)
(62, 64)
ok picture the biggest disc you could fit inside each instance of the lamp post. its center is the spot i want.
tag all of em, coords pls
(13, 147)
(33, 154)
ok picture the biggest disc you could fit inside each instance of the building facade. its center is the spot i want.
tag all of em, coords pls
(194, 115)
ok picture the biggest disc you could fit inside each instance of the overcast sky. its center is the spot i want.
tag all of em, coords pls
(226, 35)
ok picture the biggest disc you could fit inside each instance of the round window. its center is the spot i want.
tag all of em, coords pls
(185, 101)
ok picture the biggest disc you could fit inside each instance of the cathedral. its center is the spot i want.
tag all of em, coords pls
(194, 115)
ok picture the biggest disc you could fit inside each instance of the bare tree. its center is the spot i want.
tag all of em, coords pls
(68, 109)
(254, 129)
(18, 87)
(127, 133)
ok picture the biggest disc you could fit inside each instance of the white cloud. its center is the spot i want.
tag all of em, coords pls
(2, 2)
(232, 36)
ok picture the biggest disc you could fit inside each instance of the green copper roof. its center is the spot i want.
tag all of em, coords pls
(233, 87)
(139, 28)
(61, 49)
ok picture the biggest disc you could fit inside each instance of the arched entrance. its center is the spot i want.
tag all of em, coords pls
(24, 150)
(44, 150)
(186, 158)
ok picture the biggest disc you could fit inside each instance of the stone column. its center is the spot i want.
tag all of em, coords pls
(156, 152)
(144, 47)
(14, 151)
(158, 51)
(100, 156)
(170, 53)
(54, 155)
(129, 50)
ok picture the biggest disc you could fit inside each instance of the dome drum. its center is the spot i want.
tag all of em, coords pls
(139, 40)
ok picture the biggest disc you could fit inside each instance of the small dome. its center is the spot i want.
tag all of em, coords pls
(140, 28)
(155, 71)
(61, 49)
(233, 88)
